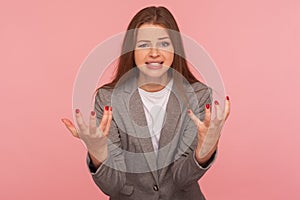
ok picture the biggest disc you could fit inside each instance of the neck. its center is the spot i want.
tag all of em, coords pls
(152, 87)
(150, 84)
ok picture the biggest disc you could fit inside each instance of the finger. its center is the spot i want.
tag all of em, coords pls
(80, 122)
(104, 119)
(193, 117)
(207, 115)
(93, 126)
(219, 113)
(227, 107)
(106, 131)
(70, 126)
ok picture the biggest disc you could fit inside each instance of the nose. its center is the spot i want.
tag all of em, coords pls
(154, 52)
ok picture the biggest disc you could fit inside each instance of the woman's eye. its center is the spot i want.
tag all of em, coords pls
(145, 45)
(164, 44)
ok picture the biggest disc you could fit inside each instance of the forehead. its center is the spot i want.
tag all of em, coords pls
(151, 32)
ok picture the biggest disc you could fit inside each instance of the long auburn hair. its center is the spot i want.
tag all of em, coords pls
(156, 16)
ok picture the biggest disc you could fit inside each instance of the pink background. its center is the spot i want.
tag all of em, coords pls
(254, 43)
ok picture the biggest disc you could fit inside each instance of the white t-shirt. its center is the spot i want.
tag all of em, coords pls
(155, 104)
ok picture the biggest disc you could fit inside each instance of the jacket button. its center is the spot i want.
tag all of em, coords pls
(155, 187)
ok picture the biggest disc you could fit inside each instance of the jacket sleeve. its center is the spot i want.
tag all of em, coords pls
(186, 170)
(110, 176)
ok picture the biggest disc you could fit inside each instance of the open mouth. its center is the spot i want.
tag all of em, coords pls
(154, 65)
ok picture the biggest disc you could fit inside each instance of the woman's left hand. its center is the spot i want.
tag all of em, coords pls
(209, 130)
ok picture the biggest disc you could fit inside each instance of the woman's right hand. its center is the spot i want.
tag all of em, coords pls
(94, 138)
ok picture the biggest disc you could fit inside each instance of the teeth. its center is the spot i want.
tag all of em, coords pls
(155, 63)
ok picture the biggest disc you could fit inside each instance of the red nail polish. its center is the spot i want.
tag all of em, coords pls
(110, 108)
(106, 108)
(189, 111)
(93, 113)
(77, 110)
(216, 102)
(207, 106)
(227, 97)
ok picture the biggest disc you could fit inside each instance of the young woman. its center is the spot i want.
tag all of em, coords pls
(151, 135)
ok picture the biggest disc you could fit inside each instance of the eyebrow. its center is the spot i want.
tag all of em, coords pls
(162, 38)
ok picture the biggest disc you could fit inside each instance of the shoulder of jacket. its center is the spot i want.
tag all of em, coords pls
(199, 86)
(104, 93)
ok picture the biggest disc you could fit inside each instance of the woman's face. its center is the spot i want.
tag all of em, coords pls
(154, 51)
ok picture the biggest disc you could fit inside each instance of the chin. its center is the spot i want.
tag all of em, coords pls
(149, 73)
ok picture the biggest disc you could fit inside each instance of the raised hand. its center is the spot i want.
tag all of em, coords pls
(93, 137)
(209, 130)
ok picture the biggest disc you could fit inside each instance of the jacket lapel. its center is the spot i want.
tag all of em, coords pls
(168, 141)
(139, 121)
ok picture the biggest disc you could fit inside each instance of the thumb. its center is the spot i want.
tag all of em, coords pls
(70, 126)
(193, 117)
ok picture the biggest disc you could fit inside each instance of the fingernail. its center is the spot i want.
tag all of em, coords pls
(93, 113)
(106, 108)
(189, 111)
(207, 106)
(216, 102)
(110, 108)
(227, 97)
(77, 110)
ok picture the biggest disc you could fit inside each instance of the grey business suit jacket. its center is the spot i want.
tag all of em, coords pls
(132, 171)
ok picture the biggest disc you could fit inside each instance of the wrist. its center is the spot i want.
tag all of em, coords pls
(202, 159)
(98, 158)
